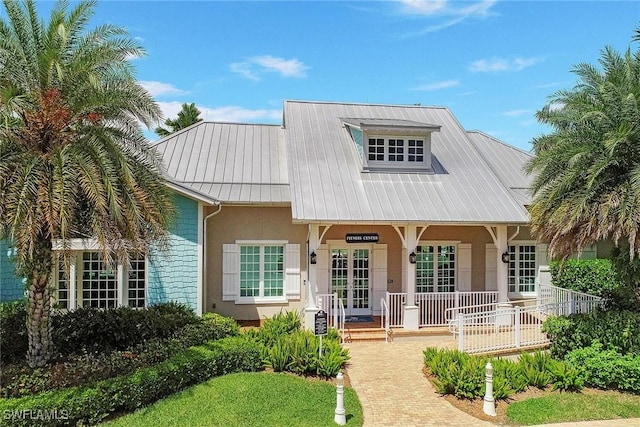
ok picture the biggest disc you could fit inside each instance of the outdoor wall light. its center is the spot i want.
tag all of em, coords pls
(313, 258)
(413, 257)
(505, 257)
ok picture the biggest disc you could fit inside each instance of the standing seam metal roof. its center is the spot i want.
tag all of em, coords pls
(328, 184)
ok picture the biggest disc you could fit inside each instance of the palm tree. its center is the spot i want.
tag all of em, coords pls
(73, 160)
(187, 116)
(587, 170)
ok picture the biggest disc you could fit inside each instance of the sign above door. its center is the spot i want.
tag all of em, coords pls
(361, 238)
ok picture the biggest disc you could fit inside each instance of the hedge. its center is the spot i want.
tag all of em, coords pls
(606, 368)
(619, 330)
(92, 404)
(592, 276)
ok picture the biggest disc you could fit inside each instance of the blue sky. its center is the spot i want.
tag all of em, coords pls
(493, 63)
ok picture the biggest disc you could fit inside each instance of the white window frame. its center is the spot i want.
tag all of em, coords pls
(435, 244)
(73, 280)
(261, 299)
(515, 289)
(405, 164)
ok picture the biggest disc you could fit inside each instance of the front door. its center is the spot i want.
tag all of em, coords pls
(350, 278)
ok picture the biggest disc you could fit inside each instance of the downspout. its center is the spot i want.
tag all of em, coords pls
(204, 254)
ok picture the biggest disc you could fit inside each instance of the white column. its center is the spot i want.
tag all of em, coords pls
(411, 315)
(502, 270)
(310, 308)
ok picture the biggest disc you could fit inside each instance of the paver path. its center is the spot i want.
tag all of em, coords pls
(393, 391)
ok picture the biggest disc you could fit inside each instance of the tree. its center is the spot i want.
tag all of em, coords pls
(186, 117)
(73, 159)
(587, 170)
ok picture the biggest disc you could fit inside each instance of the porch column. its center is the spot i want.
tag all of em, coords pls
(310, 308)
(411, 315)
(502, 270)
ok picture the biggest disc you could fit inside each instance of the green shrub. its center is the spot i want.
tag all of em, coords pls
(13, 331)
(565, 377)
(90, 405)
(86, 368)
(457, 373)
(89, 329)
(534, 368)
(606, 368)
(614, 329)
(277, 326)
(591, 276)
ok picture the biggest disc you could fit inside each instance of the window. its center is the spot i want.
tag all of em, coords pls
(261, 271)
(436, 268)
(522, 268)
(397, 151)
(90, 282)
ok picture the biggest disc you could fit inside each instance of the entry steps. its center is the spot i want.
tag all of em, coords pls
(378, 334)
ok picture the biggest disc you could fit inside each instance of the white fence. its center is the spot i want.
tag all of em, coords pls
(433, 307)
(500, 329)
(552, 300)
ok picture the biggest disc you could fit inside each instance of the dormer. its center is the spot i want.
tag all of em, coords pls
(392, 145)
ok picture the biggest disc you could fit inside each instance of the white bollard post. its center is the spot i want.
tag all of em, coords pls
(489, 406)
(340, 417)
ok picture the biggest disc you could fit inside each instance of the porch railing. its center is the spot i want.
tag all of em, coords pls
(333, 306)
(434, 307)
(556, 301)
(500, 329)
(384, 319)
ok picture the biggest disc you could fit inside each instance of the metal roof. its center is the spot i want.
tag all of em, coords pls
(372, 123)
(230, 162)
(507, 162)
(328, 184)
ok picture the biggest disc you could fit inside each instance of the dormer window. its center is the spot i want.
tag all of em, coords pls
(398, 145)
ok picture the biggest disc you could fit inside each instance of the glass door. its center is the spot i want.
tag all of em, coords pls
(350, 278)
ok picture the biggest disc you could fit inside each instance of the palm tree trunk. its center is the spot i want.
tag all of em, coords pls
(39, 307)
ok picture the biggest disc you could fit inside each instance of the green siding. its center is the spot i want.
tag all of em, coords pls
(11, 286)
(173, 275)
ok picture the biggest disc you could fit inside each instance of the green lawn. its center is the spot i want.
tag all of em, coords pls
(565, 407)
(259, 399)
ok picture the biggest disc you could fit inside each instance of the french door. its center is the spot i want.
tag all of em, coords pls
(351, 278)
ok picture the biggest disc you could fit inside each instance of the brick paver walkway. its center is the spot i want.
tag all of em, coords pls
(393, 391)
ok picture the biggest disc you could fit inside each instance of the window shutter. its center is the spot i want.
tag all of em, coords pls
(322, 270)
(464, 267)
(379, 285)
(230, 271)
(490, 267)
(292, 270)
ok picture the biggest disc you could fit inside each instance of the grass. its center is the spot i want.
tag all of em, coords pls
(566, 407)
(259, 399)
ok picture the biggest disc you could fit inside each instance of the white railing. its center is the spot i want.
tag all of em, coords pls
(341, 317)
(556, 301)
(384, 319)
(333, 306)
(433, 306)
(500, 329)
(395, 302)
(452, 314)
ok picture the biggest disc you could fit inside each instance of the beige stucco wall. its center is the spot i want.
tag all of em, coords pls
(249, 223)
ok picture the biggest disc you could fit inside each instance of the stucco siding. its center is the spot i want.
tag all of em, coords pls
(11, 286)
(255, 223)
(173, 274)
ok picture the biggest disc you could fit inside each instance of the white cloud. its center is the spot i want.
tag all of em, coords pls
(453, 12)
(500, 64)
(160, 88)
(438, 85)
(253, 67)
(232, 114)
(516, 113)
(422, 7)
